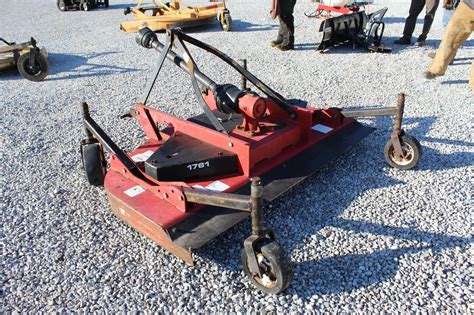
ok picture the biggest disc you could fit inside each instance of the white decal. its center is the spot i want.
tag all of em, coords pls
(321, 128)
(142, 157)
(134, 191)
(198, 165)
(217, 186)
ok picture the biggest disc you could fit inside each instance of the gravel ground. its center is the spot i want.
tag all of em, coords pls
(363, 237)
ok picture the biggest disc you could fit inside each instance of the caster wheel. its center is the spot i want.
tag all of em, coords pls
(36, 73)
(106, 3)
(226, 22)
(411, 153)
(61, 5)
(85, 7)
(277, 273)
(94, 163)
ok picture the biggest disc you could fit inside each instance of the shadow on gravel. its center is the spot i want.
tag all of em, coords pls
(455, 82)
(432, 159)
(242, 26)
(398, 19)
(338, 274)
(10, 74)
(309, 213)
(73, 66)
(237, 26)
(119, 6)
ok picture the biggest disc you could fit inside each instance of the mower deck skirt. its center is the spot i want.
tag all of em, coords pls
(204, 225)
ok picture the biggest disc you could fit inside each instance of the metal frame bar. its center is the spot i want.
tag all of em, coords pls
(396, 111)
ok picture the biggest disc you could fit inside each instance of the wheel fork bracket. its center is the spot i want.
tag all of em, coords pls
(386, 111)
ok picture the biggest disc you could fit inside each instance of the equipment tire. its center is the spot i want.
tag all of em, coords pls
(226, 22)
(411, 151)
(35, 74)
(93, 162)
(106, 3)
(61, 5)
(278, 273)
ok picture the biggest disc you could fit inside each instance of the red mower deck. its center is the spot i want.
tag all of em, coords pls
(194, 179)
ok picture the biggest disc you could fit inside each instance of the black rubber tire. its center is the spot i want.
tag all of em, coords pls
(93, 162)
(61, 5)
(38, 73)
(106, 3)
(280, 273)
(411, 148)
(226, 22)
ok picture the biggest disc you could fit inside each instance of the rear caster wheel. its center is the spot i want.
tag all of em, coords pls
(36, 73)
(85, 7)
(411, 153)
(94, 163)
(276, 275)
(106, 3)
(226, 22)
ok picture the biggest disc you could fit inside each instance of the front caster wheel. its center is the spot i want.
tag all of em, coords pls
(226, 22)
(411, 153)
(276, 271)
(94, 163)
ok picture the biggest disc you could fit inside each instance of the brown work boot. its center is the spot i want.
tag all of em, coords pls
(287, 44)
(276, 42)
(429, 75)
(285, 47)
(421, 41)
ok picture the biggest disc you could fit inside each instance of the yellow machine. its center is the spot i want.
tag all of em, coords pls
(162, 16)
(30, 60)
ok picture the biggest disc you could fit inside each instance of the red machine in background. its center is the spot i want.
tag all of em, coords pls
(194, 178)
(349, 22)
(328, 7)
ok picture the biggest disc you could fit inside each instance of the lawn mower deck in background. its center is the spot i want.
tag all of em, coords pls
(352, 24)
(30, 60)
(194, 178)
(161, 16)
(86, 5)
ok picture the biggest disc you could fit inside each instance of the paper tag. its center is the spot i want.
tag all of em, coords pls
(134, 191)
(217, 186)
(142, 157)
(198, 187)
(321, 128)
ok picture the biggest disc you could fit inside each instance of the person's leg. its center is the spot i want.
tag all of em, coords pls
(459, 29)
(431, 7)
(287, 24)
(416, 7)
(279, 38)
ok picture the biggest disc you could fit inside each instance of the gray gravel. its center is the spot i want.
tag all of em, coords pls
(363, 237)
